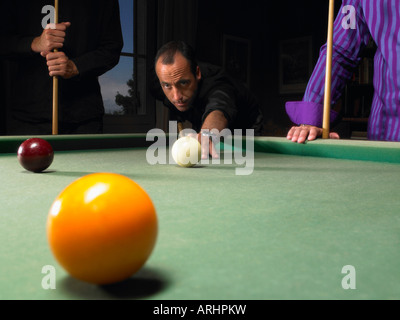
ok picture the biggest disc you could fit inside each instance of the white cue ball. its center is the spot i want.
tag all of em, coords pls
(186, 151)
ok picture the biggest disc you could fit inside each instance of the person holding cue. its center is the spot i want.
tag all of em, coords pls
(356, 23)
(85, 44)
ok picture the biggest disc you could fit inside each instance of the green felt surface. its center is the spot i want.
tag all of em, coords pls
(339, 149)
(283, 232)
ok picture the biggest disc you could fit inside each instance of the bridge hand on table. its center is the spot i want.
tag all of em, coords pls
(207, 144)
(306, 132)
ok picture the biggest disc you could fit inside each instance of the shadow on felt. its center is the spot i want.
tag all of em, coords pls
(145, 283)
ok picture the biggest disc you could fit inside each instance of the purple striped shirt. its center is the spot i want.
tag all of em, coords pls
(381, 20)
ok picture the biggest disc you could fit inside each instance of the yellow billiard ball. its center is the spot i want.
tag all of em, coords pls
(102, 228)
(186, 151)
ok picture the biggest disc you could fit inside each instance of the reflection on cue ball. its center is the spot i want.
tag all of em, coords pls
(186, 151)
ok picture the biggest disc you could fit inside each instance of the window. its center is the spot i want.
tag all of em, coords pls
(128, 104)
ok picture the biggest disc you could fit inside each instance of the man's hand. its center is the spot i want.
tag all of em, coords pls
(207, 146)
(50, 39)
(215, 121)
(305, 132)
(59, 65)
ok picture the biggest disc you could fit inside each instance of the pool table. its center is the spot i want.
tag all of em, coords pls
(320, 220)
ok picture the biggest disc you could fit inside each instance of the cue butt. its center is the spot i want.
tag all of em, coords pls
(180, 128)
(328, 73)
(55, 105)
(55, 82)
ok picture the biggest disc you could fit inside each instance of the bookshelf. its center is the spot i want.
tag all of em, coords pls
(358, 95)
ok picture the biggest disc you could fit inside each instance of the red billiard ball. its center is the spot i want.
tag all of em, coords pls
(35, 154)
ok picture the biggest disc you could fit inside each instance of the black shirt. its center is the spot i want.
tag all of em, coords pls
(93, 42)
(219, 91)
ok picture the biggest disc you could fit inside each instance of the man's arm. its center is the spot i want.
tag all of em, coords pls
(107, 54)
(215, 120)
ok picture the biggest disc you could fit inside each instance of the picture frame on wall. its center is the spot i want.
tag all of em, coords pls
(236, 57)
(295, 65)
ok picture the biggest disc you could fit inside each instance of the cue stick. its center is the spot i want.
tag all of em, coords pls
(55, 81)
(180, 128)
(328, 73)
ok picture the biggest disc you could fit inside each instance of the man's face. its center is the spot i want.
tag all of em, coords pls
(178, 82)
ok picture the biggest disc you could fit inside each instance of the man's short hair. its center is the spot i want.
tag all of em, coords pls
(167, 54)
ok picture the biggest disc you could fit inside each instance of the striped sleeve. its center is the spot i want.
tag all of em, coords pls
(384, 20)
(347, 46)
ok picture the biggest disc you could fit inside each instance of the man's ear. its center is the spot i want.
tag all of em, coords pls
(198, 73)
